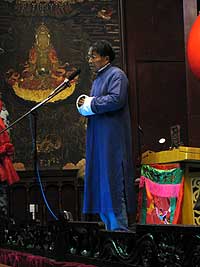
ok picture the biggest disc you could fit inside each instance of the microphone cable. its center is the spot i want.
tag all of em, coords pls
(38, 171)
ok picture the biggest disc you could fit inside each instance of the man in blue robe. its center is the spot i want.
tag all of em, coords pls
(109, 184)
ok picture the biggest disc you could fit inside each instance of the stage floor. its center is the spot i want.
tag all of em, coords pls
(145, 245)
(90, 243)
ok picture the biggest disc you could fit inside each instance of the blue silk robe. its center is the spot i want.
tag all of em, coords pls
(109, 170)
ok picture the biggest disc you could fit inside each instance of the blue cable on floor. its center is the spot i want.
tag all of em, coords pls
(38, 174)
(43, 194)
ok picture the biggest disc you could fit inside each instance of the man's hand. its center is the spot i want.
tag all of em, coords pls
(83, 104)
(81, 101)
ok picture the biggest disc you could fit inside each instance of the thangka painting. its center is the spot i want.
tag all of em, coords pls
(41, 44)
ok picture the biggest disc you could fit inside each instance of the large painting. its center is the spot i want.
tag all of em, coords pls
(42, 43)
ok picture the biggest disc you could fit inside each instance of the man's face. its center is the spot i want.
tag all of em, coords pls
(96, 61)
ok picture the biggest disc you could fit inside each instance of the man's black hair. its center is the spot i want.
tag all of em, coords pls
(104, 48)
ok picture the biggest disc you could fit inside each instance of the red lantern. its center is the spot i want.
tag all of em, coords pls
(193, 48)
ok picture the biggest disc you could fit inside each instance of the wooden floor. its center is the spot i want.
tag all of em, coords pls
(3, 265)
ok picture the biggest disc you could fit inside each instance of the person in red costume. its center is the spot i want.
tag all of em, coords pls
(7, 170)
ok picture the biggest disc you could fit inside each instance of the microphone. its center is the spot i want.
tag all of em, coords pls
(73, 75)
(66, 82)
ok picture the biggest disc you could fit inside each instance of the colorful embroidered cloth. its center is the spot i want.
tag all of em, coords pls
(161, 193)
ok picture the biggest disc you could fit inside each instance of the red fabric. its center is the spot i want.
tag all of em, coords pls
(11, 174)
(7, 171)
(165, 166)
(178, 210)
(158, 211)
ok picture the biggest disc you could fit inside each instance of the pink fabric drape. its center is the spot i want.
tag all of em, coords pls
(21, 259)
(162, 190)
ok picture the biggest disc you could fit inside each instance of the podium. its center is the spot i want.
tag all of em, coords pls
(189, 159)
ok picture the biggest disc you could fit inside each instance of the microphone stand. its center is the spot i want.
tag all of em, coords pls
(56, 91)
(33, 112)
(34, 136)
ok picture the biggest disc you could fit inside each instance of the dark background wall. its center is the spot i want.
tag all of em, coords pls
(164, 92)
(73, 27)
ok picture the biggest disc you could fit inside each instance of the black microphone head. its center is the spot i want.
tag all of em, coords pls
(74, 74)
